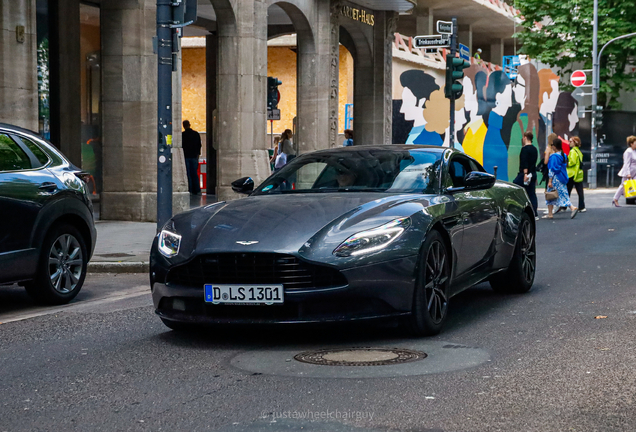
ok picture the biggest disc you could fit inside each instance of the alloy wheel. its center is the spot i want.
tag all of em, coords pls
(528, 255)
(65, 263)
(435, 277)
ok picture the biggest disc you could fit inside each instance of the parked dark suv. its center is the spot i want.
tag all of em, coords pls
(47, 234)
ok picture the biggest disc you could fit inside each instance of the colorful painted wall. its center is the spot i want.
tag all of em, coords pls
(490, 117)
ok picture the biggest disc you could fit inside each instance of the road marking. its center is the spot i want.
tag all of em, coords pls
(75, 307)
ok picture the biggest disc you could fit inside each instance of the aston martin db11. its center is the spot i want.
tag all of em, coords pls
(347, 234)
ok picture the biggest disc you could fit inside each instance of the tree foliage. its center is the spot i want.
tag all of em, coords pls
(560, 33)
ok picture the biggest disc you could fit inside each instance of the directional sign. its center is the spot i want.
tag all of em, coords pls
(432, 41)
(578, 78)
(445, 27)
(464, 52)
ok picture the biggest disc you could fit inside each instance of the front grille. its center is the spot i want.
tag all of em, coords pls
(254, 268)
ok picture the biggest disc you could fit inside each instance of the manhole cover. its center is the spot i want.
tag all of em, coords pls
(360, 356)
(115, 255)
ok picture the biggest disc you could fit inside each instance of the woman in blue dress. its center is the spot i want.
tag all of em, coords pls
(557, 166)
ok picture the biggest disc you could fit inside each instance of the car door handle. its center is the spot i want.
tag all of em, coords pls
(48, 186)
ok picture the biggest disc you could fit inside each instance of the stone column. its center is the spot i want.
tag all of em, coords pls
(211, 55)
(383, 77)
(314, 82)
(129, 84)
(373, 100)
(18, 77)
(242, 82)
(65, 66)
(334, 71)
(179, 174)
(465, 36)
(496, 51)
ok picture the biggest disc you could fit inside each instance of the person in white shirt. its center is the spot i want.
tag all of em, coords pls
(628, 171)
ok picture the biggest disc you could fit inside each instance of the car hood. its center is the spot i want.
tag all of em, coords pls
(284, 223)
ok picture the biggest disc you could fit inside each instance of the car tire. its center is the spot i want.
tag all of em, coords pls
(430, 300)
(519, 276)
(179, 326)
(61, 268)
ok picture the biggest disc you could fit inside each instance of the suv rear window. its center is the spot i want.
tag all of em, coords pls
(12, 157)
(36, 150)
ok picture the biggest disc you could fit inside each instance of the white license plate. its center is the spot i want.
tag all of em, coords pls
(244, 294)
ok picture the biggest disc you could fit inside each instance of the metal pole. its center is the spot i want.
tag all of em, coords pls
(592, 180)
(164, 112)
(453, 51)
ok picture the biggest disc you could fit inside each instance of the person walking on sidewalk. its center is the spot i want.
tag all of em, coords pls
(527, 177)
(575, 173)
(558, 180)
(348, 133)
(191, 142)
(628, 171)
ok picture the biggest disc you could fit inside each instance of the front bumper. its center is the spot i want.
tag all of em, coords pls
(373, 291)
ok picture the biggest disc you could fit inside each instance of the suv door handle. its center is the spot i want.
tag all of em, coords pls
(48, 186)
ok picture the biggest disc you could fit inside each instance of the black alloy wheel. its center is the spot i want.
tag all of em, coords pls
(62, 266)
(520, 274)
(430, 304)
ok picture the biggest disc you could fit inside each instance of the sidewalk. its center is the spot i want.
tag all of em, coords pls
(124, 247)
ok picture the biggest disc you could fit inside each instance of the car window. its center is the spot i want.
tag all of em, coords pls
(363, 170)
(41, 157)
(459, 167)
(12, 157)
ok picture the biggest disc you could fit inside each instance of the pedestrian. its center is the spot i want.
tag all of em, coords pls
(527, 176)
(575, 173)
(191, 142)
(557, 191)
(285, 151)
(272, 160)
(628, 171)
(348, 138)
(477, 55)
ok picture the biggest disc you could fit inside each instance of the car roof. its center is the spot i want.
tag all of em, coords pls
(14, 128)
(390, 147)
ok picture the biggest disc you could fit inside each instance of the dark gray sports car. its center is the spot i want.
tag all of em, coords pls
(347, 234)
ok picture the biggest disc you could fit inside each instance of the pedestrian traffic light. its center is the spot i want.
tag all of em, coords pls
(273, 95)
(597, 117)
(454, 74)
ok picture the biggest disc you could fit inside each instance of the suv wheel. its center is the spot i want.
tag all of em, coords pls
(62, 266)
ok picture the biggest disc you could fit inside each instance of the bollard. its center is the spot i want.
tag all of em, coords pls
(495, 169)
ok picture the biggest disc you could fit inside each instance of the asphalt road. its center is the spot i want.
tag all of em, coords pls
(533, 362)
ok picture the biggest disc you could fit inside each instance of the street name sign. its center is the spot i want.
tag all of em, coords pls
(432, 41)
(578, 78)
(445, 27)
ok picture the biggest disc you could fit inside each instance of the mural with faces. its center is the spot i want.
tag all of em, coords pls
(491, 116)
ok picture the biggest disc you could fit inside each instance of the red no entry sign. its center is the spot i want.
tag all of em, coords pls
(578, 78)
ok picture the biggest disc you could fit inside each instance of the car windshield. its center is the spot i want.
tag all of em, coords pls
(363, 170)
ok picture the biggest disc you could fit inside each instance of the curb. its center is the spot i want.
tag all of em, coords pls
(118, 267)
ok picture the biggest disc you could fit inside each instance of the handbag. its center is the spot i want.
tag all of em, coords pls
(551, 195)
(630, 188)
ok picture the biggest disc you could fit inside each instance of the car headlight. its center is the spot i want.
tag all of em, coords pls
(374, 239)
(169, 241)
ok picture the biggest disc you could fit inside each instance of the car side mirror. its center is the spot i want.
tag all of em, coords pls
(475, 180)
(244, 185)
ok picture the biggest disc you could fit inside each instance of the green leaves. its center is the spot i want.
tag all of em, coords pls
(559, 33)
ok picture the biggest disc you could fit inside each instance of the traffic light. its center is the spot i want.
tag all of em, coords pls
(273, 95)
(184, 12)
(597, 117)
(454, 73)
